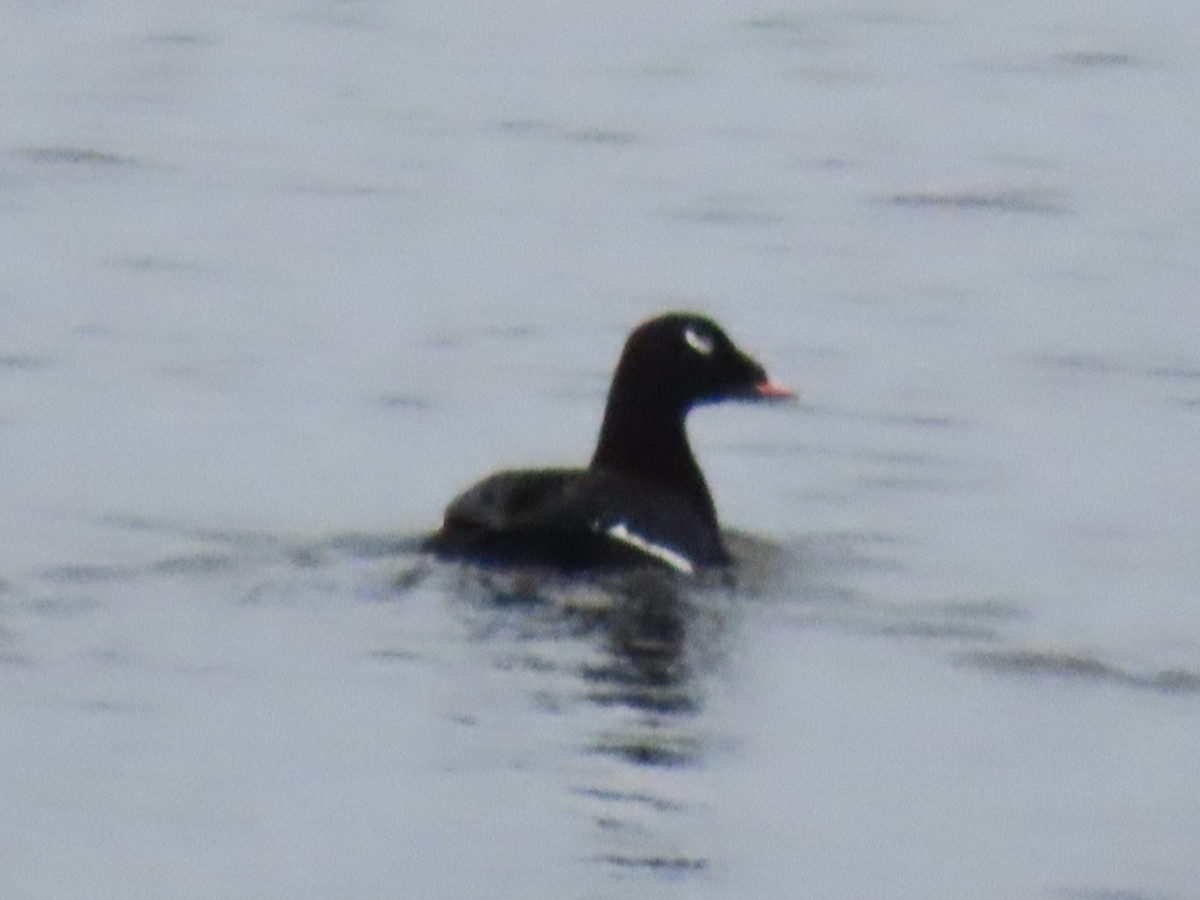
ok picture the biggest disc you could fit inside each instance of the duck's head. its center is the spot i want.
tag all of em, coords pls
(679, 360)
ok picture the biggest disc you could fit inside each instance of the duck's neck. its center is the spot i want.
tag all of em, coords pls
(649, 442)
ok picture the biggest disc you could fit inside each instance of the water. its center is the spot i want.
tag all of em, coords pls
(278, 280)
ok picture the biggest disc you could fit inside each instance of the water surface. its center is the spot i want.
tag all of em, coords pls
(279, 280)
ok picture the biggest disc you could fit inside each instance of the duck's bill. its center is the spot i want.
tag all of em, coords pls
(772, 390)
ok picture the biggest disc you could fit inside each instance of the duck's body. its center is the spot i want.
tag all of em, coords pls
(642, 499)
(577, 519)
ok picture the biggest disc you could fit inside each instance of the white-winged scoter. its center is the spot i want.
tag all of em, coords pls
(642, 499)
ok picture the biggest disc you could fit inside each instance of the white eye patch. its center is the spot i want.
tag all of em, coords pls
(699, 341)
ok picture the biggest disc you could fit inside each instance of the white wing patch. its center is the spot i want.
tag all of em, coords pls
(698, 341)
(677, 561)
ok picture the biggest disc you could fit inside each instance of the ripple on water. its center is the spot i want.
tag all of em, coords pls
(78, 156)
(1081, 666)
(1096, 59)
(25, 362)
(1038, 201)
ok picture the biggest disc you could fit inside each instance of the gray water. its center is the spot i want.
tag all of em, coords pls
(278, 279)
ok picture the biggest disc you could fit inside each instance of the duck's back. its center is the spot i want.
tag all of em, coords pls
(573, 519)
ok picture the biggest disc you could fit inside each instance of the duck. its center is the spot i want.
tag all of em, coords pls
(642, 500)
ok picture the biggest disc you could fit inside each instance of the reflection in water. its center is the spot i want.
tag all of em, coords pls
(650, 679)
(646, 631)
(643, 628)
(643, 642)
